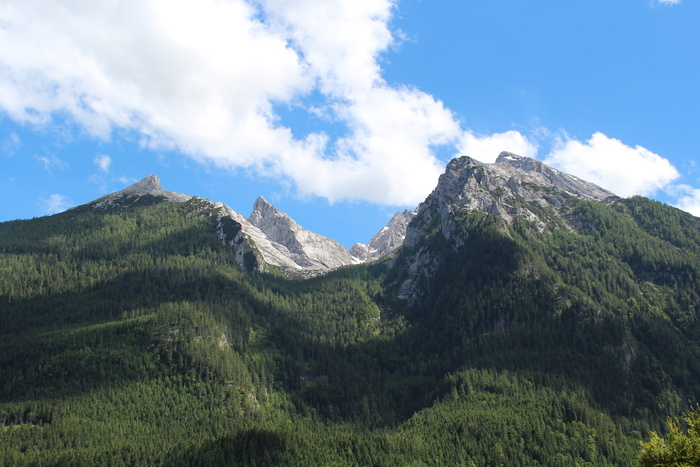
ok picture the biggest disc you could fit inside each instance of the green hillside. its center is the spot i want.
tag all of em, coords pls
(132, 337)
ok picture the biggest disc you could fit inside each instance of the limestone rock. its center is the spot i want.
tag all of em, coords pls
(386, 240)
(512, 187)
(149, 186)
(307, 250)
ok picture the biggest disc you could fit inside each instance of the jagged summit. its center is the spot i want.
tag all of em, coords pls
(274, 238)
(270, 220)
(514, 187)
(386, 240)
(308, 250)
(546, 175)
(149, 186)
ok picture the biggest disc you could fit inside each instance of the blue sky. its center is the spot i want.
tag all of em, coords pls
(341, 112)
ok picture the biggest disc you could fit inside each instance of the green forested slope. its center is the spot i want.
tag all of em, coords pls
(131, 336)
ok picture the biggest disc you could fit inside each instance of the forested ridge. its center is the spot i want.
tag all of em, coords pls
(130, 336)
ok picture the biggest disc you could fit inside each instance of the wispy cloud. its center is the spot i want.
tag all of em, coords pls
(11, 144)
(55, 203)
(668, 2)
(51, 162)
(103, 162)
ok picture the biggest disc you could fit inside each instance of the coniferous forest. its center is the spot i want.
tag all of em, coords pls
(131, 336)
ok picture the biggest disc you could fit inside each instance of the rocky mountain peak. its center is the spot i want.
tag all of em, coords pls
(148, 186)
(262, 207)
(545, 175)
(512, 187)
(386, 240)
(271, 235)
(308, 250)
(271, 220)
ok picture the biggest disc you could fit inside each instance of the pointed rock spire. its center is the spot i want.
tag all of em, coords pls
(148, 186)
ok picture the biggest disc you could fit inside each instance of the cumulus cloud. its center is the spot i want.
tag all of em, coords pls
(486, 148)
(689, 199)
(205, 77)
(55, 203)
(103, 162)
(610, 163)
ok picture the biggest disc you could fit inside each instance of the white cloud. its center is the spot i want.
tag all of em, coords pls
(689, 199)
(486, 148)
(55, 203)
(103, 162)
(51, 161)
(196, 76)
(669, 2)
(11, 144)
(608, 162)
(204, 77)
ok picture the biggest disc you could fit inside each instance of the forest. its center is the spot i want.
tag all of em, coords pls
(131, 336)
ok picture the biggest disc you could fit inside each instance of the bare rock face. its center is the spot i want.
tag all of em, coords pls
(149, 186)
(308, 250)
(281, 240)
(512, 187)
(386, 240)
(544, 175)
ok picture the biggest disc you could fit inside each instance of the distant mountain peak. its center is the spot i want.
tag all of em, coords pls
(388, 239)
(308, 250)
(149, 186)
(506, 156)
(262, 204)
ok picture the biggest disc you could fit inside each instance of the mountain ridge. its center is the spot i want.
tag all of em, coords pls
(467, 184)
(270, 235)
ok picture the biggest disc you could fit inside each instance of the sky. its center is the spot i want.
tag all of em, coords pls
(341, 112)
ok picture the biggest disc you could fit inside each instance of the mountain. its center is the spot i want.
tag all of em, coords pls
(268, 237)
(147, 189)
(386, 240)
(522, 267)
(529, 318)
(512, 188)
(309, 251)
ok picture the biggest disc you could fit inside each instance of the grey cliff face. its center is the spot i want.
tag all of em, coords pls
(308, 250)
(547, 176)
(512, 187)
(386, 240)
(285, 244)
